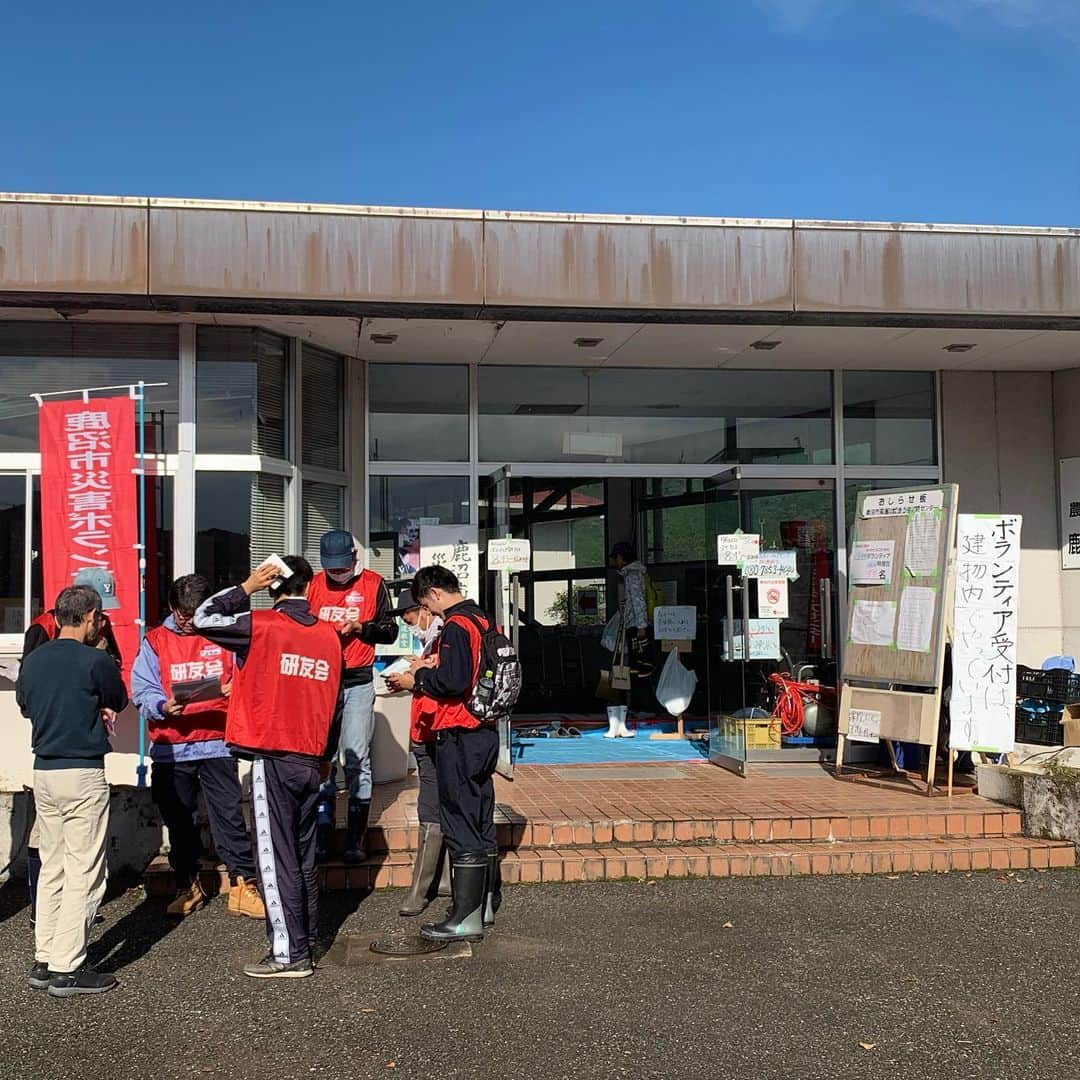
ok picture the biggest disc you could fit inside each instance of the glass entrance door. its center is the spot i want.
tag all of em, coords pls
(758, 629)
(501, 590)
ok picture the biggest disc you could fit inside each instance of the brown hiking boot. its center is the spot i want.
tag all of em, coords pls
(244, 899)
(188, 900)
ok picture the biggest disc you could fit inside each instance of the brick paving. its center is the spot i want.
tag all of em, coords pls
(569, 825)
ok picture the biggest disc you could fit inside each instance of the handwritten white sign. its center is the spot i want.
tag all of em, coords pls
(864, 725)
(677, 623)
(764, 640)
(733, 549)
(511, 556)
(453, 546)
(982, 707)
(772, 564)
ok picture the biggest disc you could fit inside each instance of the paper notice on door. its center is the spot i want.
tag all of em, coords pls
(772, 598)
(864, 725)
(872, 622)
(872, 562)
(922, 543)
(916, 625)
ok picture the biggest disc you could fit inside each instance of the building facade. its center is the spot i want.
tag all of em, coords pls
(580, 380)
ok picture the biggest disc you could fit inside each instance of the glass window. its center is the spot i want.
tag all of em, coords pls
(40, 358)
(889, 418)
(418, 412)
(322, 392)
(239, 521)
(240, 385)
(397, 505)
(655, 417)
(13, 553)
(322, 511)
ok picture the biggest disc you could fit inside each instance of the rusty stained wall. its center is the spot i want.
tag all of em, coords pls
(71, 248)
(637, 265)
(948, 272)
(296, 255)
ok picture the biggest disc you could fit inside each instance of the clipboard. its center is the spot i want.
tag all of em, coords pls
(195, 691)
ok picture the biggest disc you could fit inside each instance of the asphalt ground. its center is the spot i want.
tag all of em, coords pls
(966, 976)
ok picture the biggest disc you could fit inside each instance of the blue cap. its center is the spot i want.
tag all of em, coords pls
(103, 582)
(337, 551)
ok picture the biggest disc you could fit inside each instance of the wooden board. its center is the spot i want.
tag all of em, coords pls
(884, 665)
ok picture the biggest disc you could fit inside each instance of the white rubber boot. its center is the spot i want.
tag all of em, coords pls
(624, 731)
(613, 722)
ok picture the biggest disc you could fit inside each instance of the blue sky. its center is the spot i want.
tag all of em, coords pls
(940, 110)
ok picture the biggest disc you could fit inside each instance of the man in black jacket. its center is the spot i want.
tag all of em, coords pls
(63, 688)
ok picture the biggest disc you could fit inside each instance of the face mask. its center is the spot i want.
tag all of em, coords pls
(341, 576)
(425, 637)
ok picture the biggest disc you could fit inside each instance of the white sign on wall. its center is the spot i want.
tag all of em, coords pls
(1069, 505)
(772, 598)
(453, 546)
(511, 556)
(982, 708)
(678, 623)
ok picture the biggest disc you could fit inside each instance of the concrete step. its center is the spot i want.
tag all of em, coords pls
(775, 859)
(979, 819)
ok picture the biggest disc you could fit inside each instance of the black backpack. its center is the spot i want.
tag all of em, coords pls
(498, 678)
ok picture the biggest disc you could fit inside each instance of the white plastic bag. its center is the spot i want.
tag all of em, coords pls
(609, 640)
(677, 685)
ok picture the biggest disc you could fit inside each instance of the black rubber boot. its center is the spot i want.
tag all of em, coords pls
(492, 889)
(446, 887)
(359, 811)
(466, 919)
(33, 872)
(324, 831)
(425, 867)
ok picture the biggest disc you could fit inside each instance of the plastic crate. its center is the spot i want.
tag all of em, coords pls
(763, 734)
(1042, 728)
(1056, 685)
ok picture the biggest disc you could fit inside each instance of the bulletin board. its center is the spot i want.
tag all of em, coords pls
(900, 590)
(895, 630)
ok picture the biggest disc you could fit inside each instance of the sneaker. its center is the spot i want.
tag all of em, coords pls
(244, 899)
(188, 900)
(39, 976)
(84, 981)
(269, 968)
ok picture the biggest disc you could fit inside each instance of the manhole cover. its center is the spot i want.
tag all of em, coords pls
(406, 945)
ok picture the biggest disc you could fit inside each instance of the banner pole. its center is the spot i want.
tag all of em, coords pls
(140, 771)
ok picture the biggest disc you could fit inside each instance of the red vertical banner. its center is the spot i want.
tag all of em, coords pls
(89, 507)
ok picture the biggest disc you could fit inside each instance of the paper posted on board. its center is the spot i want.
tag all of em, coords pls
(873, 622)
(864, 725)
(872, 562)
(916, 626)
(922, 543)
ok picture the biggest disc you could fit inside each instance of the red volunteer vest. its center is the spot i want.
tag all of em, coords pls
(334, 603)
(453, 713)
(285, 693)
(47, 622)
(423, 708)
(182, 658)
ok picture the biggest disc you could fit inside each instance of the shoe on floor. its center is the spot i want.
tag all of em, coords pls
(188, 900)
(84, 981)
(269, 968)
(244, 899)
(39, 976)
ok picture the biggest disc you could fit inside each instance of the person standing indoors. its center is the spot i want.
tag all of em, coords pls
(44, 629)
(181, 684)
(63, 688)
(282, 716)
(467, 751)
(430, 849)
(357, 605)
